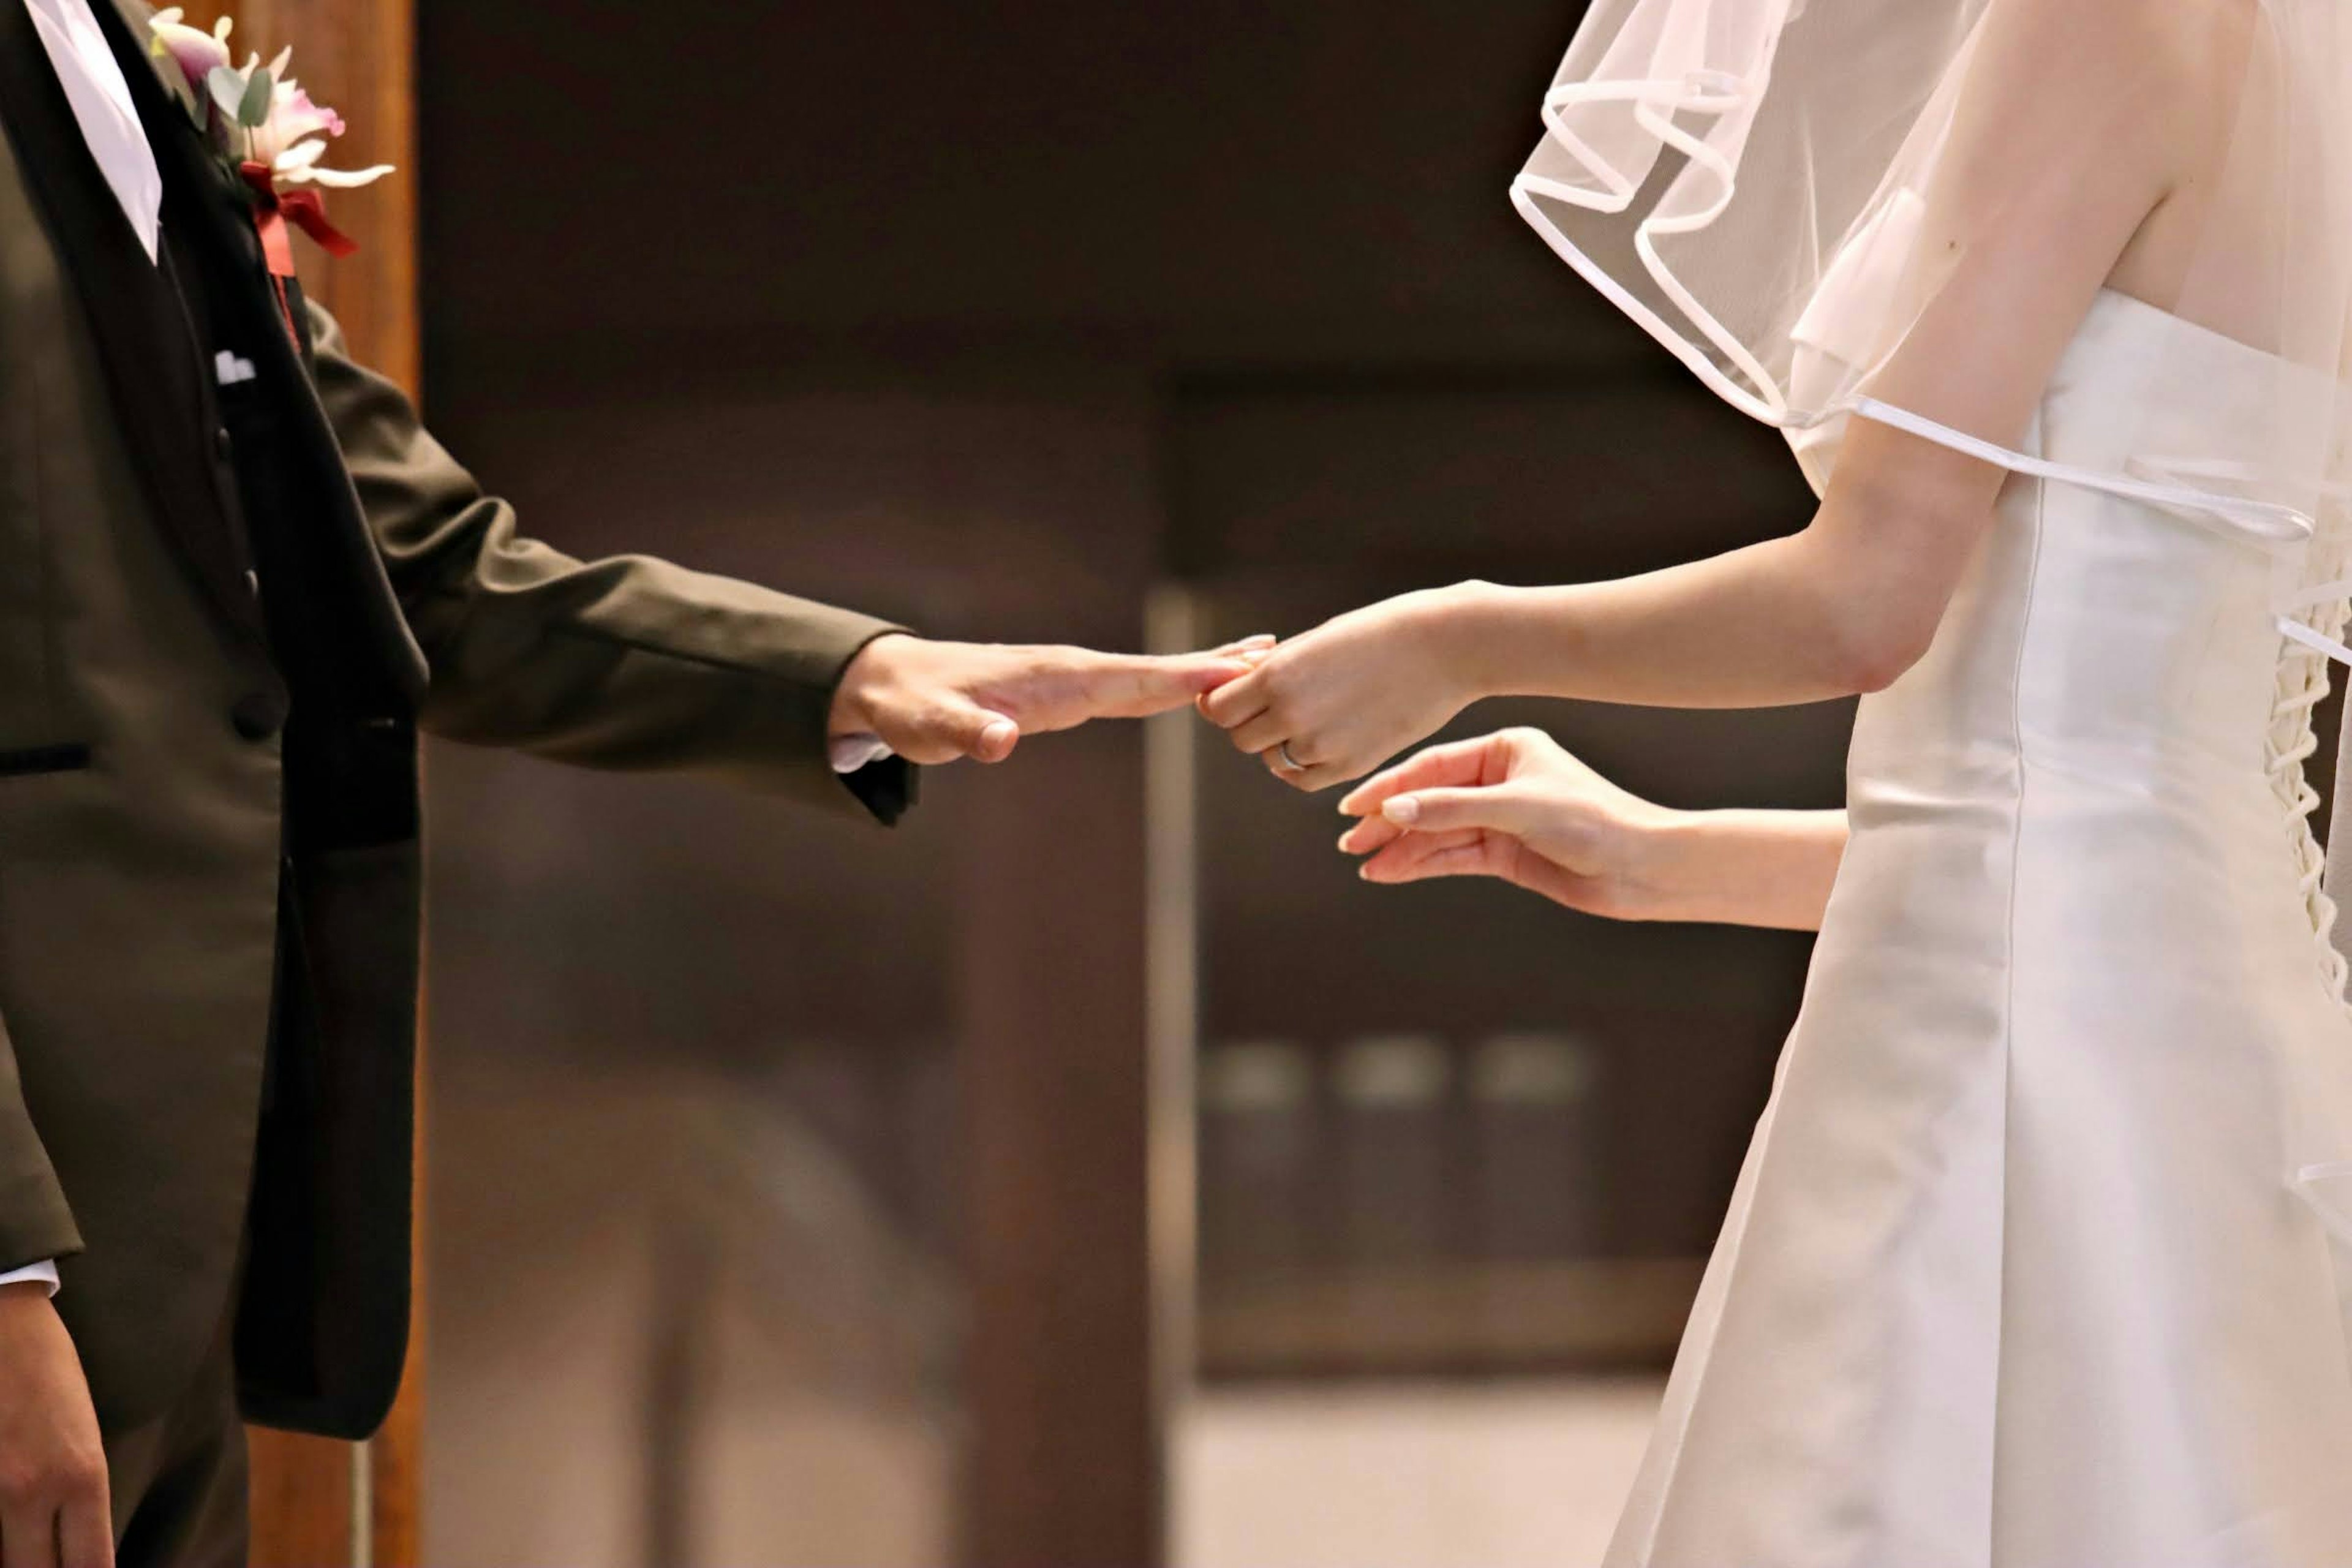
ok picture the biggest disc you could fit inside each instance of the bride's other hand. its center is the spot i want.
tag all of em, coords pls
(1332, 703)
(1518, 807)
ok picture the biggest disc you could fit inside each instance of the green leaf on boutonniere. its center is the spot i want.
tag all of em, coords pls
(256, 107)
(227, 90)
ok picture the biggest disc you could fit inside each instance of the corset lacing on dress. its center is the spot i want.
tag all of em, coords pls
(2303, 683)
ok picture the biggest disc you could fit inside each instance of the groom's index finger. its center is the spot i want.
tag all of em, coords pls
(1136, 686)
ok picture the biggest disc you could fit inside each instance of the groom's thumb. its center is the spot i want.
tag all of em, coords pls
(969, 730)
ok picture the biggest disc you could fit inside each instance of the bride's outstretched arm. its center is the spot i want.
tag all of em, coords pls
(1514, 805)
(2054, 181)
(1841, 607)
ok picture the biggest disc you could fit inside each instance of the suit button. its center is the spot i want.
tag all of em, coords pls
(257, 715)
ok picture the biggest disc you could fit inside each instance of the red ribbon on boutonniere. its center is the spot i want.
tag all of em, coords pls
(272, 211)
(267, 133)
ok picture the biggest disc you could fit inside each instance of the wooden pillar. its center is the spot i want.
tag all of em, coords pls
(1067, 1455)
(316, 1503)
(1065, 1463)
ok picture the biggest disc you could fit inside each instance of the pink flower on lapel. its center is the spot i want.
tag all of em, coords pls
(197, 52)
(254, 115)
(293, 118)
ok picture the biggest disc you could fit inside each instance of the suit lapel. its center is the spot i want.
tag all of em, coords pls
(212, 213)
(213, 218)
(153, 364)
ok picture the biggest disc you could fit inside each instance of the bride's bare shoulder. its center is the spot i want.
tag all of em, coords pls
(2205, 48)
(2139, 81)
(2108, 50)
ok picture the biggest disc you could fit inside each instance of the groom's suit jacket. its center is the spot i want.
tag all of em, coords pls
(228, 603)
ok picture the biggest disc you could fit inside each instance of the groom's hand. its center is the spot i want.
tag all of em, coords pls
(53, 1499)
(943, 701)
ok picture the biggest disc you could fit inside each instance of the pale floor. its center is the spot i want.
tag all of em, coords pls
(825, 1426)
(1439, 1476)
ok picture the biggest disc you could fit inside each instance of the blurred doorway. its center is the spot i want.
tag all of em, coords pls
(1456, 1156)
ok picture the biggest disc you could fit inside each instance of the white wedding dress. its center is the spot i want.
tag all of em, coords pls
(2030, 1264)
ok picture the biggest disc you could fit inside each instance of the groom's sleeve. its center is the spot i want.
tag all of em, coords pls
(35, 1224)
(623, 663)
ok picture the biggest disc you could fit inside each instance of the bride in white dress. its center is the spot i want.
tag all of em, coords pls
(2037, 1258)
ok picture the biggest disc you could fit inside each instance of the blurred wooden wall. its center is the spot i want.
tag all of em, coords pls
(359, 57)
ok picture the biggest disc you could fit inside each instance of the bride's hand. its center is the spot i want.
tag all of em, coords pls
(1331, 704)
(1516, 806)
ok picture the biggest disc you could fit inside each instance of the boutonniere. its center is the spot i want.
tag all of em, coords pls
(267, 134)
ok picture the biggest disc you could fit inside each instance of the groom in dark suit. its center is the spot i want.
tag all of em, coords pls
(237, 578)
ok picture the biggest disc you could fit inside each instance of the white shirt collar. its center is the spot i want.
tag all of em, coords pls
(101, 102)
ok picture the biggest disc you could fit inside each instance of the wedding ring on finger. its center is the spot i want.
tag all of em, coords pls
(1289, 761)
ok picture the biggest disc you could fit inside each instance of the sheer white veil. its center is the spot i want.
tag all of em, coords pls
(1792, 195)
(1760, 184)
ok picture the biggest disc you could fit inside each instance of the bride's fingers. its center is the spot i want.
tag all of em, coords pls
(1370, 834)
(1418, 856)
(1236, 702)
(1423, 857)
(1260, 644)
(1500, 807)
(1307, 764)
(1454, 763)
(1321, 776)
(1264, 732)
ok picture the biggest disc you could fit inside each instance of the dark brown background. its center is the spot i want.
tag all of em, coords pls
(995, 318)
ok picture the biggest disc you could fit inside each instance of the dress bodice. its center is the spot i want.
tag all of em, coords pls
(2131, 650)
(2128, 638)
(2015, 1276)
